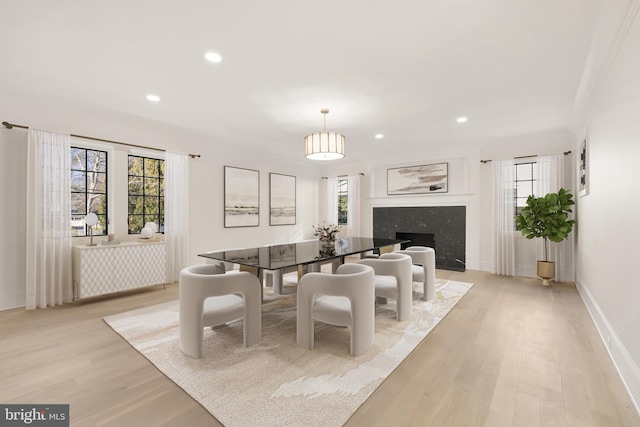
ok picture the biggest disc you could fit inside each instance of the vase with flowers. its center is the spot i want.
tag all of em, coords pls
(326, 233)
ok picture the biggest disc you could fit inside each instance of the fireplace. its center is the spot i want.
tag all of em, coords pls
(444, 226)
(417, 239)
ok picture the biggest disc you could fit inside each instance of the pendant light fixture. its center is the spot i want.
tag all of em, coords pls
(324, 145)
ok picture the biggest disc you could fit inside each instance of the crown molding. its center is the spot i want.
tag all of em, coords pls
(616, 18)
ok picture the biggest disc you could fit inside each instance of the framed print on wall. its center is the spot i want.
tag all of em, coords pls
(282, 199)
(241, 197)
(421, 179)
(583, 178)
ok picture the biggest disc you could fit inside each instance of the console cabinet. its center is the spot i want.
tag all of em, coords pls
(105, 269)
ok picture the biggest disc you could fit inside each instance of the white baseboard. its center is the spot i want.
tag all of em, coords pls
(488, 267)
(624, 363)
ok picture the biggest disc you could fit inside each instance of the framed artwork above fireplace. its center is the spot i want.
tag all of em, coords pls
(421, 179)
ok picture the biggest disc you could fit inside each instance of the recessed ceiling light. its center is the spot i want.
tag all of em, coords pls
(379, 136)
(213, 57)
(461, 119)
(153, 98)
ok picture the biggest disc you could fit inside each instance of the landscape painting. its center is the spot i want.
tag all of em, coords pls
(241, 197)
(418, 179)
(282, 199)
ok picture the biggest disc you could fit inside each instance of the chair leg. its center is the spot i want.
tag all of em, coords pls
(403, 305)
(363, 333)
(191, 329)
(430, 277)
(252, 322)
(304, 322)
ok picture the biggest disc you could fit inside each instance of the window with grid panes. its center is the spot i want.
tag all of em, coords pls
(88, 190)
(146, 193)
(525, 177)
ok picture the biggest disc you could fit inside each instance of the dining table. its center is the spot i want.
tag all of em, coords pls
(308, 254)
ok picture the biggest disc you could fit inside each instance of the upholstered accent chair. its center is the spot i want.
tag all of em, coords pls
(393, 280)
(424, 268)
(209, 296)
(346, 298)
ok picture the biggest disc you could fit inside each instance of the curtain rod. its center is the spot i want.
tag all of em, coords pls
(524, 157)
(341, 176)
(12, 125)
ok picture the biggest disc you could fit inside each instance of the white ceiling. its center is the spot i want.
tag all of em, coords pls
(406, 69)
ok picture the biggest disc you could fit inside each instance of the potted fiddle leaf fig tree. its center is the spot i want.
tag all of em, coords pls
(547, 217)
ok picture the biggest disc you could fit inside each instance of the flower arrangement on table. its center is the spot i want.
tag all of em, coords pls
(326, 233)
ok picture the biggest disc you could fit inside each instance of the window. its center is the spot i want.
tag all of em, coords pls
(88, 190)
(526, 175)
(146, 193)
(343, 201)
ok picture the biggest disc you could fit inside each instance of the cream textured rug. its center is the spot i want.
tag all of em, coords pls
(277, 383)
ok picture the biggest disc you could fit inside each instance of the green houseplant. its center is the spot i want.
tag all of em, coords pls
(547, 217)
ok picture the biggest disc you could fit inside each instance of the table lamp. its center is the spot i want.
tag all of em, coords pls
(91, 219)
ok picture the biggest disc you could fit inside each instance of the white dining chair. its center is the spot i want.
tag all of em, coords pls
(346, 298)
(424, 268)
(393, 280)
(208, 296)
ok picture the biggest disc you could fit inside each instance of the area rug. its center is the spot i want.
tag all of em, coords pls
(277, 383)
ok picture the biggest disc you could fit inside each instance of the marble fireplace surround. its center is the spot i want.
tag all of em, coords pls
(446, 223)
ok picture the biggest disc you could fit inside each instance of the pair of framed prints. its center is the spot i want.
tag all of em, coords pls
(242, 198)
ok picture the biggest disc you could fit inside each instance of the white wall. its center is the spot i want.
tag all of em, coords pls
(608, 231)
(13, 185)
(207, 230)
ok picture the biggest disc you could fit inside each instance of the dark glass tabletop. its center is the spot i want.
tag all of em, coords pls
(300, 253)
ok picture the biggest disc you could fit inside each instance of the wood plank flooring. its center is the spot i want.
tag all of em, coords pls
(511, 353)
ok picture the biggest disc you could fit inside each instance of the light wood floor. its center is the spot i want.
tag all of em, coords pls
(511, 353)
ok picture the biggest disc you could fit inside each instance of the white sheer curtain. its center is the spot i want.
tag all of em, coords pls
(551, 177)
(176, 212)
(48, 266)
(353, 207)
(330, 214)
(504, 190)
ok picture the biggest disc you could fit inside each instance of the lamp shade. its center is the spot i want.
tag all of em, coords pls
(146, 233)
(91, 219)
(324, 146)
